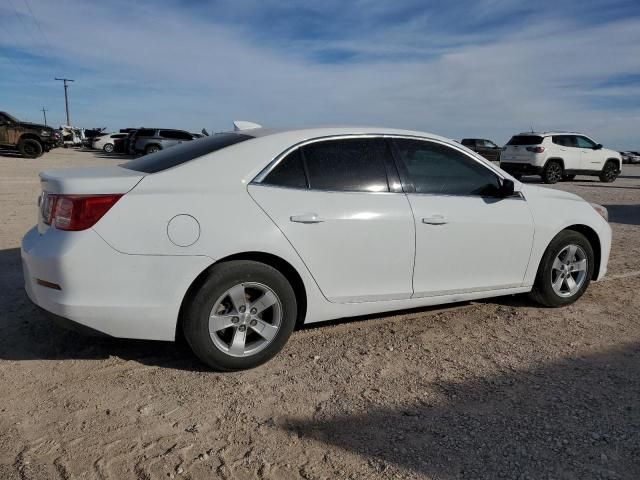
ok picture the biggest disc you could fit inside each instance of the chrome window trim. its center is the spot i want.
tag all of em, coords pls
(275, 161)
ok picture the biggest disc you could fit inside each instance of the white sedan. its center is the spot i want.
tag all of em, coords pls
(107, 142)
(240, 236)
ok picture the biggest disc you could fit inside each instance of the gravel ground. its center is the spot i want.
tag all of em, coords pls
(493, 389)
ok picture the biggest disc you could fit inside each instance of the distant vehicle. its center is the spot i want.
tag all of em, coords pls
(559, 156)
(91, 133)
(107, 142)
(150, 140)
(484, 147)
(30, 139)
(630, 157)
(237, 238)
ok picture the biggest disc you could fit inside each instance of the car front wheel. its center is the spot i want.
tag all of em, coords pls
(609, 172)
(565, 270)
(30, 148)
(108, 148)
(241, 316)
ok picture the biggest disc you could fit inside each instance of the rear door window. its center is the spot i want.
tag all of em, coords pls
(175, 135)
(184, 152)
(525, 140)
(564, 140)
(145, 132)
(347, 165)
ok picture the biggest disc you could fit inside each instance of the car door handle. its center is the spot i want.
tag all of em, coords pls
(307, 218)
(435, 220)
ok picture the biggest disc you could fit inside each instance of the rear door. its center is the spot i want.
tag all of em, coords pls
(566, 149)
(340, 205)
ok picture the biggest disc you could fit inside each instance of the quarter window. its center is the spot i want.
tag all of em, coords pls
(438, 169)
(352, 165)
(288, 173)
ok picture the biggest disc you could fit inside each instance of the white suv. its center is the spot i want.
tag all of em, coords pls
(559, 156)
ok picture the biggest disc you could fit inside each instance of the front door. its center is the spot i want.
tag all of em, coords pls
(332, 201)
(467, 238)
(590, 157)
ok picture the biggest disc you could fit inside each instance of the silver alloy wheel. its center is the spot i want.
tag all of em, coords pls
(245, 319)
(569, 271)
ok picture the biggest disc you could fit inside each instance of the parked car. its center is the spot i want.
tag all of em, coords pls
(236, 238)
(30, 139)
(107, 142)
(484, 147)
(559, 156)
(630, 157)
(151, 140)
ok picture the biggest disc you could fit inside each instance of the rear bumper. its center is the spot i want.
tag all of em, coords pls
(128, 296)
(520, 168)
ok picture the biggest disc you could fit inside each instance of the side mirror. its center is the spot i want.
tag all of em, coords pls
(507, 188)
(598, 146)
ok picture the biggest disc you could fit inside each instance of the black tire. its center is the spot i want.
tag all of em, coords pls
(552, 172)
(567, 178)
(30, 148)
(610, 172)
(543, 291)
(221, 278)
(152, 149)
(108, 147)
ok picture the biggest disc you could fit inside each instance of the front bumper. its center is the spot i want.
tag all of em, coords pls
(520, 168)
(128, 296)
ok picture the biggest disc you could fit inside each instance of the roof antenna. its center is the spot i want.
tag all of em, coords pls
(531, 128)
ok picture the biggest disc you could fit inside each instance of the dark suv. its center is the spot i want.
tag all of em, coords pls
(484, 147)
(30, 139)
(149, 140)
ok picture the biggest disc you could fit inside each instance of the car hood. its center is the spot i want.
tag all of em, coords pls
(35, 125)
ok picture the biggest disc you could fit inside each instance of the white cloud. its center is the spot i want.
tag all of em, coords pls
(136, 64)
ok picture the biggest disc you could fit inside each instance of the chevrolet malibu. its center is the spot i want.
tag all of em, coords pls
(238, 237)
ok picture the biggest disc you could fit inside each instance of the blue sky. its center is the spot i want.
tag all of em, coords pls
(467, 68)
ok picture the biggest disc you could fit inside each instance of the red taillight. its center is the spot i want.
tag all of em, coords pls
(535, 149)
(76, 212)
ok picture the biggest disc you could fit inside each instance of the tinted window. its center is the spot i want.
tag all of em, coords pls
(489, 144)
(146, 132)
(584, 142)
(180, 154)
(468, 142)
(564, 140)
(435, 168)
(525, 140)
(355, 165)
(3, 119)
(175, 135)
(288, 173)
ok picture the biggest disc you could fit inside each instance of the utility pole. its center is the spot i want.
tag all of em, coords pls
(44, 112)
(66, 97)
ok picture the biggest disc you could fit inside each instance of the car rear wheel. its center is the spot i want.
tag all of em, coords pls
(552, 172)
(30, 148)
(565, 270)
(108, 147)
(151, 149)
(609, 172)
(241, 316)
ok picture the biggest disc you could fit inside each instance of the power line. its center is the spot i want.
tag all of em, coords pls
(21, 20)
(18, 67)
(37, 24)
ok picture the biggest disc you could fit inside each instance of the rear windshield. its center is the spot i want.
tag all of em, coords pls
(171, 157)
(525, 140)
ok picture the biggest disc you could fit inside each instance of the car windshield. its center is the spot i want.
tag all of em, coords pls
(525, 140)
(171, 157)
(11, 117)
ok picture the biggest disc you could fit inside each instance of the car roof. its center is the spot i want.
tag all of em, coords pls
(547, 134)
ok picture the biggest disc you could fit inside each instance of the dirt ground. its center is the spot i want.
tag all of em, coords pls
(481, 390)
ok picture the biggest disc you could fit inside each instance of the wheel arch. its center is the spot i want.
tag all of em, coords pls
(280, 264)
(30, 136)
(594, 240)
(616, 160)
(554, 159)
